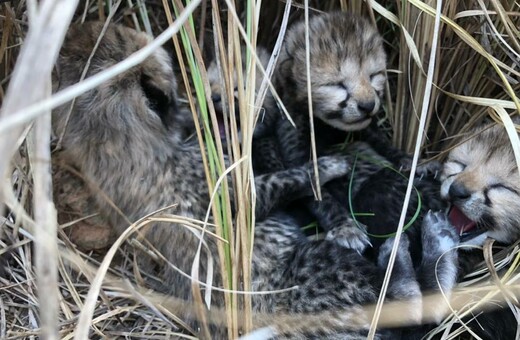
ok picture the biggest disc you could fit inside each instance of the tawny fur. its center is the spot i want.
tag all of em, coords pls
(480, 177)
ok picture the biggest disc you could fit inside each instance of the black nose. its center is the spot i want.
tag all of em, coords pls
(215, 98)
(366, 107)
(458, 191)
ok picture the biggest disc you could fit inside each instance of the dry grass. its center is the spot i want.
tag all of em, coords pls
(475, 78)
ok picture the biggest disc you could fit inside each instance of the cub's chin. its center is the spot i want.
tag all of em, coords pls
(354, 125)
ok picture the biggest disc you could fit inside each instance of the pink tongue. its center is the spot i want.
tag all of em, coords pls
(221, 126)
(460, 221)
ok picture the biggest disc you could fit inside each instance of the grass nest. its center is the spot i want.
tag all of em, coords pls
(46, 280)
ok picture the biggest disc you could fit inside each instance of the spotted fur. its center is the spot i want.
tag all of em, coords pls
(122, 137)
(347, 71)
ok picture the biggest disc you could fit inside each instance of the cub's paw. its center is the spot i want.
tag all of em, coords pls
(431, 168)
(331, 167)
(423, 169)
(350, 236)
(438, 235)
(386, 249)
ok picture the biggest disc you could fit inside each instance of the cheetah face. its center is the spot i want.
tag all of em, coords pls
(349, 98)
(347, 69)
(480, 179)
(219, 91)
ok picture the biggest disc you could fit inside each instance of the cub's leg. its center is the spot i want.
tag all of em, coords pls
(439, 266)
(277, 188)
(334, 217)
(403, 284)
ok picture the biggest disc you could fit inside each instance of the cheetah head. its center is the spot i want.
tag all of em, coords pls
(137, 103)
(481, 180)
(220, 90)
(347, 69)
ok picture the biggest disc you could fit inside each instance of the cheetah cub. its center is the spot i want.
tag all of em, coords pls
(347, 72)
(480, 180)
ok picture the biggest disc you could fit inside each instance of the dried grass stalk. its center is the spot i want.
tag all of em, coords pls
(46, 33)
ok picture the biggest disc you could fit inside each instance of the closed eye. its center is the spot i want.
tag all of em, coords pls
(337, 85)
(459, 167)
(377, 74)
(500, 186)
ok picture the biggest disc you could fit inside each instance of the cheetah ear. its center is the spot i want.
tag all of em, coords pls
(285, 65)
(159, 101)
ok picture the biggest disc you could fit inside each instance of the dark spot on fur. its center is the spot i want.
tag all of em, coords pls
(487, 201)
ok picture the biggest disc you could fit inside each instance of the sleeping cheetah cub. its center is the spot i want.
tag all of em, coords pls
(121, 137)
(347, 70)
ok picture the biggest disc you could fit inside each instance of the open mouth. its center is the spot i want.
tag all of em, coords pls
(466, 228)
(222, 125)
